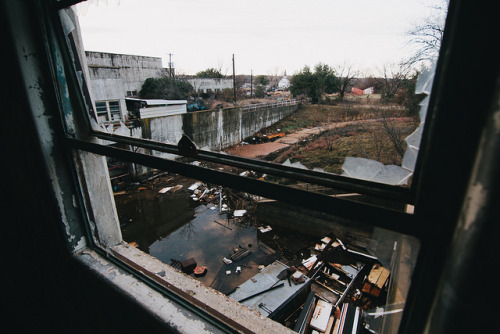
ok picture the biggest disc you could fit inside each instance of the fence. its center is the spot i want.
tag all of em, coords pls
(259, 106)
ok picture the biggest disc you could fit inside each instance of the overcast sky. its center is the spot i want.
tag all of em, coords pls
(265, 36)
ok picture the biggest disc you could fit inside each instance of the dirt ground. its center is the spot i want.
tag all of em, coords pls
(261, 150)
(255, 150)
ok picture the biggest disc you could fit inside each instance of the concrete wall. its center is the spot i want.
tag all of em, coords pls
(318, 224)
(131, 69)
(214, 130)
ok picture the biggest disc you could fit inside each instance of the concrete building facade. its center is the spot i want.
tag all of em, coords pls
(116, 76)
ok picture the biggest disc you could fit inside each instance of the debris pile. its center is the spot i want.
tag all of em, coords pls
(312, 286)
(327, 292)
(259, 139)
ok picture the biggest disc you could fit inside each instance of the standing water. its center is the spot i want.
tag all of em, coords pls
(175, 225)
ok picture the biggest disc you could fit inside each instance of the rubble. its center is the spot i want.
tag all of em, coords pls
(316, 284)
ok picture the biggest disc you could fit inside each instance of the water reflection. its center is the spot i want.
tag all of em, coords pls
(147, 216)
(201, 227)
(208, 238)
(176, 226)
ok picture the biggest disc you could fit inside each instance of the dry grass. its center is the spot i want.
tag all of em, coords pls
(365, 138)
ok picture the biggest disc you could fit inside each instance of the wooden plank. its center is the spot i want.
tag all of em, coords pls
(378, 276)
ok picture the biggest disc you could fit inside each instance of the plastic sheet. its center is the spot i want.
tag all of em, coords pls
(371, 170)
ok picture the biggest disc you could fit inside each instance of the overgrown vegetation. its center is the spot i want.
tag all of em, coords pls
(212, 73)
(315, 84)
(346, 130)
(165, 88)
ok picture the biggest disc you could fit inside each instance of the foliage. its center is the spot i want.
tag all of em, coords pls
(210, 73)
(408, 98)
(165, 88)
(259, 91)
(314, 85)
(262, 80)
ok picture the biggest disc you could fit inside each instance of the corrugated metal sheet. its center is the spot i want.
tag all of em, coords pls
(156, 102)
(271, 301)
(159, 107)
(152, 112)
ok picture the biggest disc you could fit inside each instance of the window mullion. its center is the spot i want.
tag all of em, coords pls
(399, 194)
(338, 207)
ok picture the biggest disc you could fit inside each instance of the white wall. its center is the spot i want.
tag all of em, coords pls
(210, 83)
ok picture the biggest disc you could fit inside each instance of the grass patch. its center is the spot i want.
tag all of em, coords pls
(329, 149)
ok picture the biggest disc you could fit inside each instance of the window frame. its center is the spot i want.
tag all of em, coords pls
(420, 193)
(109, 112)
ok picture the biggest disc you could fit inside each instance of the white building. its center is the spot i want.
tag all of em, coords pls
(284, 83)
(115, 76)
(210, 85)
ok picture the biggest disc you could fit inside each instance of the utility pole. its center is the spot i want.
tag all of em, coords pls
(251, 84)
(170, 65)
(234, 82)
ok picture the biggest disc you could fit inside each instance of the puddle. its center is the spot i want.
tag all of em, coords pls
(208, 238)
(173, 226)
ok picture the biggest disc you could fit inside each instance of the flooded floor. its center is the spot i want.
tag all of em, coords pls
(177, 226)
(188, 225)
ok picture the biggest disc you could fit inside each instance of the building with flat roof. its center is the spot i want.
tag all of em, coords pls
(116, 76)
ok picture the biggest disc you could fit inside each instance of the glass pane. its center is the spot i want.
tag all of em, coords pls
(102, 112)
(114, 109)
(241, 244)
(314, 99)
(101, 108)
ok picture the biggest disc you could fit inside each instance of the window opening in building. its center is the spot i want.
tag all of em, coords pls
(364, 122)
(374, 249)
(108, 111)
(102, 111)
(114, 110)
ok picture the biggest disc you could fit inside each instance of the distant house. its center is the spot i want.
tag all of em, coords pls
(284, 83)
(116, 76)
(367, 91)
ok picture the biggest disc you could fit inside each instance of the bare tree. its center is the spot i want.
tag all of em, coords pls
(330, 137)
(378, 144)
(426, 37)
(395, 135)
(394, 77)
(346, 74)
